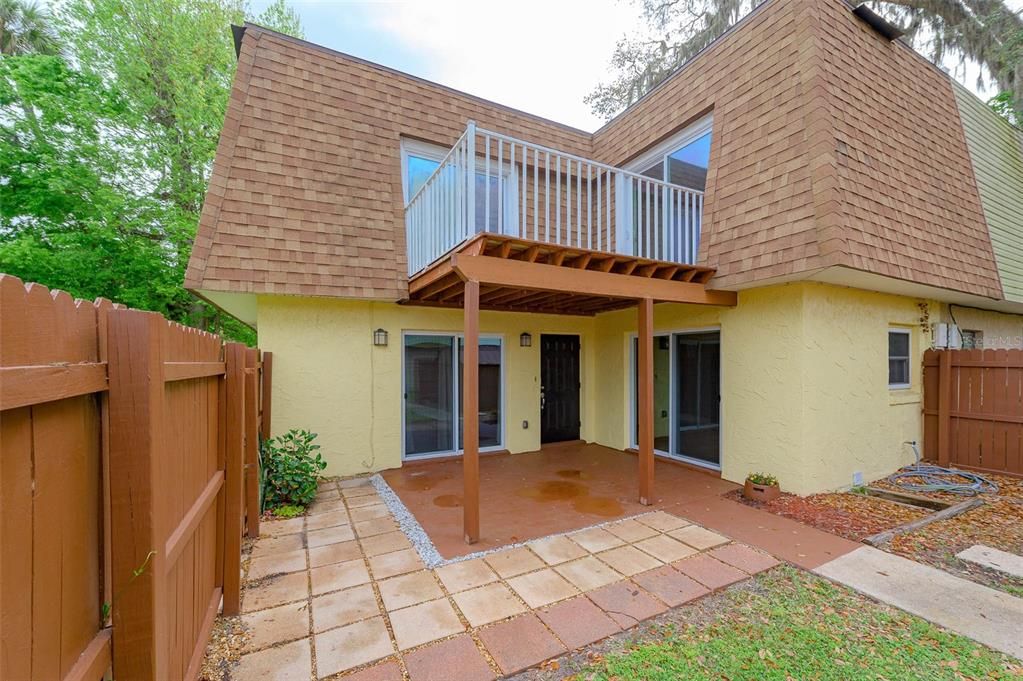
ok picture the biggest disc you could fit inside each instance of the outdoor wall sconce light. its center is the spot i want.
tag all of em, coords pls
(380, 338)
(525, 340)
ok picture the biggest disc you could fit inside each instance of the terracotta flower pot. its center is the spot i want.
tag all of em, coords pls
(761, 493)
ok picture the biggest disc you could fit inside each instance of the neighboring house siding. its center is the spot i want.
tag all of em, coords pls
(997, 152)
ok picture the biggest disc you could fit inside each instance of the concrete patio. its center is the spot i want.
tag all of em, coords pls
(342, 593)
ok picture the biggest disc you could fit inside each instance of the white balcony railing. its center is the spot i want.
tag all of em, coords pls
(489, 182)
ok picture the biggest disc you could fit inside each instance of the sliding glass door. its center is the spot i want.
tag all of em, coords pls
(687, 392)
(433, 403)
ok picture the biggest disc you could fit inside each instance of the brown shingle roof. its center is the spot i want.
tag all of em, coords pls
(831, 146)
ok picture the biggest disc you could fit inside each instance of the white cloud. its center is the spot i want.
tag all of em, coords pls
(541, 57)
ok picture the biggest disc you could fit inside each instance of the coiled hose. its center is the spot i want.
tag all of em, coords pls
(927, 478)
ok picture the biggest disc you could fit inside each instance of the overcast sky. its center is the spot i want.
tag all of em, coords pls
(539, 56)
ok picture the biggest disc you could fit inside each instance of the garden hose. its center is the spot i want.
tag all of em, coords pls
(927, 478)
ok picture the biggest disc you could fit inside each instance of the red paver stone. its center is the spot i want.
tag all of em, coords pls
(385, 671)
(743, 557)
(709, 571)
(670, 585)
(578, 622)
(520, 643)
(456, 659)
(626, 603)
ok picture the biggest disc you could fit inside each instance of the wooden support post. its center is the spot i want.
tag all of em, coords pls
(646, 401)
(232, 423)
(267, 387)
(471, 415)
(944, 407)
(138, 523)
(252, 509)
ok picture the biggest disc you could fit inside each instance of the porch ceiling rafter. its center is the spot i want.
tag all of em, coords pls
(528, 276)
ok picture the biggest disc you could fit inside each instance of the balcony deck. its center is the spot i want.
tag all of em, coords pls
(573, 281)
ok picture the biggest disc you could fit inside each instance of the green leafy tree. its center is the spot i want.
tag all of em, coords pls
(26, 29)
(949, 32)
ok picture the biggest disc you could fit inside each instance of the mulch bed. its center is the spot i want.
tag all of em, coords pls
(853, 516)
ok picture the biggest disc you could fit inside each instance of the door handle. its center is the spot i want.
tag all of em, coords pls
(543, 400)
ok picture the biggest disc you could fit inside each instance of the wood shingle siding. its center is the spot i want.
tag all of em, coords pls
(997, 152)
(831, 147)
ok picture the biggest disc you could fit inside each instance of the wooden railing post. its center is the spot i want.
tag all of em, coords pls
(252, 509)
(645, 400)
(138, 517)
(267, 387)
(471, 415)
(944, 407)
(233, 415)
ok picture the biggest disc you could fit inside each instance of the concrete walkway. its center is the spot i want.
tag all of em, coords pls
(983, 614)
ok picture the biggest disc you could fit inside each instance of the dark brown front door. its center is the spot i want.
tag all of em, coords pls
(559, 388)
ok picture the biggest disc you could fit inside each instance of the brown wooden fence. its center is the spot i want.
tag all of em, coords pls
(127, 471)
(973, 409)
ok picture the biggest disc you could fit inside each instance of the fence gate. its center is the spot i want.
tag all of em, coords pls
(973, 409)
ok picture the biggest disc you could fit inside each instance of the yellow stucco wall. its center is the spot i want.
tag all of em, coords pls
(329, 378)
(804, 391)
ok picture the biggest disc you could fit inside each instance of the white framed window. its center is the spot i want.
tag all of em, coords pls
(899, 351)
(682, 159)
(419, 160)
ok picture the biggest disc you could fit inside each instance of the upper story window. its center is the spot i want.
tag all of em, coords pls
(683, 159)
(898, 358)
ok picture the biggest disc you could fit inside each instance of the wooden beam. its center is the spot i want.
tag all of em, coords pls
(530, 254)
(667, 273)
(607, 264)
(471, 414)
(27, 385)
(436, 272)
(184, 371)
(439, 286)
(505, 250)
(645, 391)
(547, 309)
(582, 261)
(517, 274)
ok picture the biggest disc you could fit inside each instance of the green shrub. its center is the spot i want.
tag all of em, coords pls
(762, 479)
(291, 467)
(288, 511)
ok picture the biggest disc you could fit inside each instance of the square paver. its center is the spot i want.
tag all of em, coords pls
(276, 591)
(406, 590)
(519, 643)
(328, 519)
(268, 546)
(327, 493)
(355, 482)
(423, 623)
(489, 603)
(289, 662)
(276, 563)
(670, 585)
(367, 500)
(457, 659)
(388, 670)
(385, 543)
(630, 530)
(465, 575)
(514, 561)
(587, 573)
(626, 603)
(395, 563)
(350, 646)
(344, 607)
(745, 558)
(325, 506)
(629, 560)
(277, 528)
(661, 521)
(557, 550)
(664, 548)
(709, 571)
(369, 528)
(542, 587)
(698, 537)
(334, 553)
(596, 539)
(353, 491)
(329, 535)
(275, 625)
(369, 512)
(337, 576)
(578, 622)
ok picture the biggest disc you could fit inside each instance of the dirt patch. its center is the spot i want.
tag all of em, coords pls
(853, 516)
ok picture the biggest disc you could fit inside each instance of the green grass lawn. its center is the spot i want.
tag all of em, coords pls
(791, 625)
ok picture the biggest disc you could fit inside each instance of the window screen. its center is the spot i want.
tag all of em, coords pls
(898, 358)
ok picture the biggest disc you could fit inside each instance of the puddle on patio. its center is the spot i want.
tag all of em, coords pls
(568, 490)
(448, 500)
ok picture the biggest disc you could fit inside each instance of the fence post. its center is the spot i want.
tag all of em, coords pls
(267, 386)
(252, 509)
(233, 415)
(138, 519)
(944, 407)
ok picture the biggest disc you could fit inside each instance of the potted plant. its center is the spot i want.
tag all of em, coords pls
(761, 487)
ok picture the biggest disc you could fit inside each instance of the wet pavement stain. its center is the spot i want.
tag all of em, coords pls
(420, 482)
(554, 490)
(448, 500)
(573, 473)
(602, 506)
